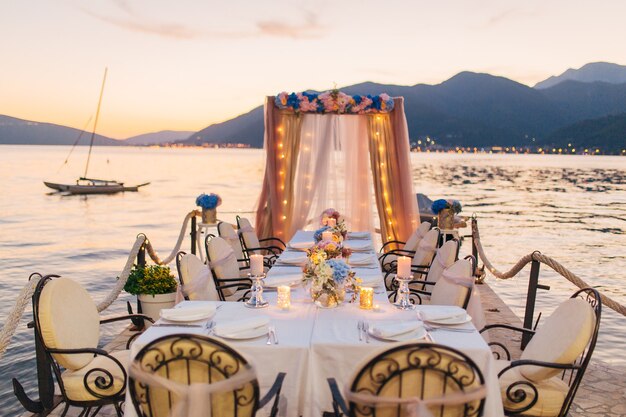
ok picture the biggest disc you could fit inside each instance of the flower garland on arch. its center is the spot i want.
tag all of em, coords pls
(333, 101)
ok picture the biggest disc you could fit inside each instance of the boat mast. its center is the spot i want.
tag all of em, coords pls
(93, 133)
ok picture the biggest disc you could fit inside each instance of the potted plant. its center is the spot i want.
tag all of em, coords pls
(209, 203)
(154, 286)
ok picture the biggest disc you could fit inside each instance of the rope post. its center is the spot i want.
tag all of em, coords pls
(141, 255)
(531, 296)
(193, 234)
(474, 248)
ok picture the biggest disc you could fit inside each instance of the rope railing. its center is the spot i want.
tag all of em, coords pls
(26, 293)
(539, 257)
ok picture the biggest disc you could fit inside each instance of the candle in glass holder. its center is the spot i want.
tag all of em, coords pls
(327, 235)
(256, 264)
(404, 266)
(283, 298)
(366, 298)
(332, 222)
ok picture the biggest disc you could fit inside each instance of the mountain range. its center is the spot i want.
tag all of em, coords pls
(469, 109)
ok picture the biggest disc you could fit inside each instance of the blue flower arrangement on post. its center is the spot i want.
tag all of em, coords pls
(445, 211)
(209, 203)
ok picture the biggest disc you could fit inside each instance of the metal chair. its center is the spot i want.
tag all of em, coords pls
(388, 257)
(544, 381)
(418, 370)
(270, 247)
(189, 359)
(195, 278)
(226, 271)
(67, 325)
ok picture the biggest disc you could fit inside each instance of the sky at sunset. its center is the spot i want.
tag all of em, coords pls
(185, 64)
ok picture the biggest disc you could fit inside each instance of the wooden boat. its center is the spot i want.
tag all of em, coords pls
(86, 185)
(94, 186)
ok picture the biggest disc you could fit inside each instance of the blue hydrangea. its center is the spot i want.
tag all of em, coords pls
(439, 205)
(293, 101)
(340, 270)
(318, 233)
(207, 201)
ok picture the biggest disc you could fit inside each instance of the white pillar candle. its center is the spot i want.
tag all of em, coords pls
(256, 264)
(404, 266)
(283, 298)
(327, 235)
(332, 222)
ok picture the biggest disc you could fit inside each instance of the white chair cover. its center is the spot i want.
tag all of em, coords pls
(417, 236)
(197, 278)
(227, 232)
(445, 257)
(222, 259)
(454, 284)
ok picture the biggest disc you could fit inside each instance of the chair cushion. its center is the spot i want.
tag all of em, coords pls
(75, 385)
(68, 319)
(552, 392)
(197, 279)
(426, 249)
(416, 237)
(250, 237)
(447, 291)
(561, 339)
(445, 256)
(228, 233)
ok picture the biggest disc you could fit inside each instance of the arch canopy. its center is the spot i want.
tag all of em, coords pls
(356, 163)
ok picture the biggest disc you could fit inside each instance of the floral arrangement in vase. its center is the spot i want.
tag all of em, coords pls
(325, 249)
(441, 204)
(332, 218)
(209, 203)
(333, 101)
(445, 211)
(337, 236)
(327, 280)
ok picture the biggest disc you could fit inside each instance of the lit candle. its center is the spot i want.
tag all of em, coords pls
(366, 298)
(283, 298)
(404, 266)
(256, 264)
(327, 235)
(332, 222)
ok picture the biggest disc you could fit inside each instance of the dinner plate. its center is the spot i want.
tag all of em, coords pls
(418, 333)
(246, 334)
(204, 315)
(451, 321)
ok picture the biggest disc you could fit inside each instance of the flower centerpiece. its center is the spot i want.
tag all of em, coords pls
(332, 219)
(209, 203)
(154, 286)
(327, 279)
(445, 211)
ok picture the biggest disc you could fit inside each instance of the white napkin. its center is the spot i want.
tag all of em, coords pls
(359, 235)
(443, 313)
(282, 279)
(358, 245)
(301, 245)
(188, 313)
(362, 259)
(234, 328)
(292, 258)
(385, 330)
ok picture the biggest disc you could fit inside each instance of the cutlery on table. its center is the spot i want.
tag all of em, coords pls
(366, 329)
(273, 333)
(269, 336)
(430, 327)
(209, 327)
(359, 326)
(177, 325)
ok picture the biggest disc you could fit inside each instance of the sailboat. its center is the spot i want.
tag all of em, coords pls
(85, 185)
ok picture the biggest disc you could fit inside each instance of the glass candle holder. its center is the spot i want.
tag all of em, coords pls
(366, 298)
(283, 297)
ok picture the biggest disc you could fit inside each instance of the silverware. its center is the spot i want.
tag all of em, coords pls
(431, 328)
(177, 325)
(366, 329)
(269, 336)
(273, 333)
(209, 327)
(359, 326)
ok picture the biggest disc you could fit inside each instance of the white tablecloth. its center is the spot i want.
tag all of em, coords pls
(316, 344)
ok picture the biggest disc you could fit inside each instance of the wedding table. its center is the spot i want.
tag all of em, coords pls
(316, 344)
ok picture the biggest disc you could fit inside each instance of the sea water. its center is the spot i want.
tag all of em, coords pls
(572, 208)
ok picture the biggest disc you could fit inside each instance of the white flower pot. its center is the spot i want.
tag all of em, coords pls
(151, 305)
